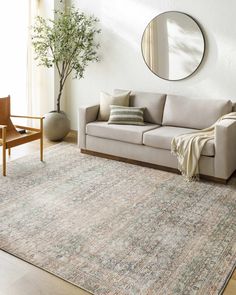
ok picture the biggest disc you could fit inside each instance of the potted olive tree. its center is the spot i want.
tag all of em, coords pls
(68, 43)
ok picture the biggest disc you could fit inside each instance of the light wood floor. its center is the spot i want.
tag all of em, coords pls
(20, 278)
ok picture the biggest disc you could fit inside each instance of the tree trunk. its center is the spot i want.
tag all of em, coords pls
(59, 96)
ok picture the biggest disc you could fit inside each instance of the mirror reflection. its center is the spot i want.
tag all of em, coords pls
(173, 45)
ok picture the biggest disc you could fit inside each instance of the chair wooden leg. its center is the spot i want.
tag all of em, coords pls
(41, 149)
(41, 140)
(4, 164)
(9, 152)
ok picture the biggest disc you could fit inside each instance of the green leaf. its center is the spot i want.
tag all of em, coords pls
(68, 42)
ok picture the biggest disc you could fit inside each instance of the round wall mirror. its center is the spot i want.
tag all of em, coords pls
(173, 45)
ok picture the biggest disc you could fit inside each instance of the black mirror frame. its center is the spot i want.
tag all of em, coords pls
(204, 44)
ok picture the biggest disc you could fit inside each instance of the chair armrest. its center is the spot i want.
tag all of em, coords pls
(225, 148)
(86, 114)
(27, 117)
(28, 128)
(3, 134)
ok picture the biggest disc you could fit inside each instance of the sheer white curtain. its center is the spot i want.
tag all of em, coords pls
(31, 87)
(13, 53)
(33, 72)
(150, 44)
(40, 80)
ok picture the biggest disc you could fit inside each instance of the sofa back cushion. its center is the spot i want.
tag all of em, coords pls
(234, 107)
(153, 103)
(182, 111)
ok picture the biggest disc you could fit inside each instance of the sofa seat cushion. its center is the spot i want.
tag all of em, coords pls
(126, 133)
(162, 137)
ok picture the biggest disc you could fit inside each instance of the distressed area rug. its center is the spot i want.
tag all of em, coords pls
(118, 229)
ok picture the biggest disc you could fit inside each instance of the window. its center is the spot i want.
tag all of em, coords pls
(13, 53)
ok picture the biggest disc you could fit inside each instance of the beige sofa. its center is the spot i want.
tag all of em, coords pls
(166, 116)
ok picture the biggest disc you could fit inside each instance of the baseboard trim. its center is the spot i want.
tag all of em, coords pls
(149, 165)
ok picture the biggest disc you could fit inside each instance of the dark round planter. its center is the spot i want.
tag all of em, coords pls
(56, 125)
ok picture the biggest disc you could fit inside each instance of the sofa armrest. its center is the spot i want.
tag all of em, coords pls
(86, 114)
(225, 148)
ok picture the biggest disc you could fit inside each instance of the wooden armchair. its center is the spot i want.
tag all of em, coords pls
(10, 137)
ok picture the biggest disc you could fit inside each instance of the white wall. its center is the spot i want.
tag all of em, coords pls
(122, 66)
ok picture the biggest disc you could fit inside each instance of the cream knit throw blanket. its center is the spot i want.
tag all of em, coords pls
(188, 148)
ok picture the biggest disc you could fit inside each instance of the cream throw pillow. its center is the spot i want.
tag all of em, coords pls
(107, 99)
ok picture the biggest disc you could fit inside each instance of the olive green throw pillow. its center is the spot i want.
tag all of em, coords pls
(107, 99)
(126, 115)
